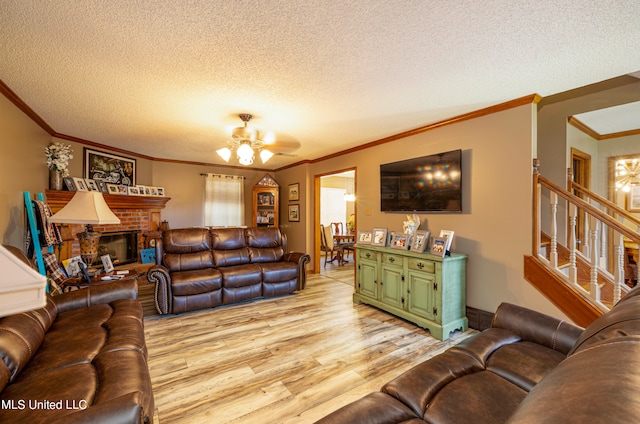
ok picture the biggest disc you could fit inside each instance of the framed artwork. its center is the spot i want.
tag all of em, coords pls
(379, 237)
(102, 186)
(160, 191)
(113, 189)
(132, 190)
(448, 235)
(109, 168)
(294, 213)
(438, 246)
(294, 191)
(80, 184)
(106, 262)
(633, 199)
(364, 237)
(420, 241)
(400, 241)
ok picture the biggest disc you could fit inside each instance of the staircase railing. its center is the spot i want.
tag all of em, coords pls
(598, 245)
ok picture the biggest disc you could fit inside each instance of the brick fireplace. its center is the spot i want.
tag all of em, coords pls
(142, 214)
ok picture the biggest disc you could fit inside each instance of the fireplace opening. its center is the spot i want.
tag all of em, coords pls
(121, 246)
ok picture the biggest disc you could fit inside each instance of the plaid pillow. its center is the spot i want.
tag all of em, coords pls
(55, 271)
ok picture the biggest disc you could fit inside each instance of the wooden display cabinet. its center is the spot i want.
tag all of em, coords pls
(266, 195)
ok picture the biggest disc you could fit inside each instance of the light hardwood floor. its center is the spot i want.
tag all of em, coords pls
(290, 359)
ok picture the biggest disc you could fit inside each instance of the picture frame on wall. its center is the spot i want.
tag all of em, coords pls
(633, 199)
(110, 168)
(364, 237)
(294, 213)
(294, 192)
(379, 237)
(420, 241)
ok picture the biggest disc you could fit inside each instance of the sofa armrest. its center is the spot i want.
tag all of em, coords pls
(301, 259)
(159, 275)
(537, 327)
(96, 295)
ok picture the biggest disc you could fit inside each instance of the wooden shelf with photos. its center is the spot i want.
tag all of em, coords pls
(57, 199)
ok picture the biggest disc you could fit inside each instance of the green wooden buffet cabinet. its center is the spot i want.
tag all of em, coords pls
(425, 289)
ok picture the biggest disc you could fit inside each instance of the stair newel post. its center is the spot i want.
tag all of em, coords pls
(594, 288)
(573, 269)
(536, 192)
(553, 254)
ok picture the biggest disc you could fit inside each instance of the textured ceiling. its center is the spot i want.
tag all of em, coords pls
(167, 78)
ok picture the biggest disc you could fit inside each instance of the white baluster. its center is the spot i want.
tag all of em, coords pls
(585, 235)
(573, 269)
(553, 254)
(594, 288)
(618, 261)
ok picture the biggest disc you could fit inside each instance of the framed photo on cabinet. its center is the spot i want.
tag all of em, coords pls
(420, 241)
(364, 237)
(400, 241)
(438, 247)
(379, 237)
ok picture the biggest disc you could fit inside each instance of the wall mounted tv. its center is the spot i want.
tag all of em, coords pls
(425, 184)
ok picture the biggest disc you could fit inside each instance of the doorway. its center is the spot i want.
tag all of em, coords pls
(581, 166)
(335, 202)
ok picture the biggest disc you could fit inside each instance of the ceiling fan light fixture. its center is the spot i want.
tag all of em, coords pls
(245, 153)
(265, 155)
(224, 153)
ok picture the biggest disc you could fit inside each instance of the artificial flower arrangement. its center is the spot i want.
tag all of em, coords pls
(58, 157)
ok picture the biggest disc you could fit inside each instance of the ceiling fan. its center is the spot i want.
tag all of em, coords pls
(246, 141)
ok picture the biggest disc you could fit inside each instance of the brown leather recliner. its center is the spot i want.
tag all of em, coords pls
(81, 358)
(528, 368)
(199, 268)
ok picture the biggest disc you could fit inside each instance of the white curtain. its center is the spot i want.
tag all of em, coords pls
(223, 201)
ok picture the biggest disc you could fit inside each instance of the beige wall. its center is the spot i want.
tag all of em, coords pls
(495, 226)
(494, 229)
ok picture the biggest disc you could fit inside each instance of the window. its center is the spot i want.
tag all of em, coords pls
(223, 201)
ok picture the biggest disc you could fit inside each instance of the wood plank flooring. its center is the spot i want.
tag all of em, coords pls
(290, 359)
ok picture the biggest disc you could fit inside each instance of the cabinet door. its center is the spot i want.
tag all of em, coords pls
(422, 294)
(367, 275)
(391, 286)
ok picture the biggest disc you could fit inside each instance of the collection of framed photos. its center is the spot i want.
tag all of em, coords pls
(416, 242)
(87, 184)
(294, 196)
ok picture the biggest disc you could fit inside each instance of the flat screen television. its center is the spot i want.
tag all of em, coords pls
(425, 184)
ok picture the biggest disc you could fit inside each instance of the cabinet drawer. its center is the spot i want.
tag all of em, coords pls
(368, 254)
(422, 265)
(388, 258)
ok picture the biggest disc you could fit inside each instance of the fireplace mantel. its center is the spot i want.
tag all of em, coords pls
(57, 199)
(140, 213)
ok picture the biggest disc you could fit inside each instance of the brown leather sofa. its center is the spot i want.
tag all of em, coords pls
(82, 358)
(201, 268)
(528, 368)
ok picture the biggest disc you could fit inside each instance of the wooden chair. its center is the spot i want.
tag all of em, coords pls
(328, 246)
(337, 228)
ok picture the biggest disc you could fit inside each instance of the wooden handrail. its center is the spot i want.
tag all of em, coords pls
(592, 210)
(609, 204)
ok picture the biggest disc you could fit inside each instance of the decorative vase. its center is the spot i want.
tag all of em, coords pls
(55, 180)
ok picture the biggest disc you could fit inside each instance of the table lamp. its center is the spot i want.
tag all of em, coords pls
(21, 287)
(89, 208)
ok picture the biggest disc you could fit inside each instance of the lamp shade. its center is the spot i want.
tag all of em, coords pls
(86, 207)
(21, 287)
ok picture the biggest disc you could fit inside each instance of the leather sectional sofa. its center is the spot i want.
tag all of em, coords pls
(201, 268)
(528, 368)
(82, 358)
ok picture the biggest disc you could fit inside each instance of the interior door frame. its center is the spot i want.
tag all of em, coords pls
(581, 173)
(316, 209)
